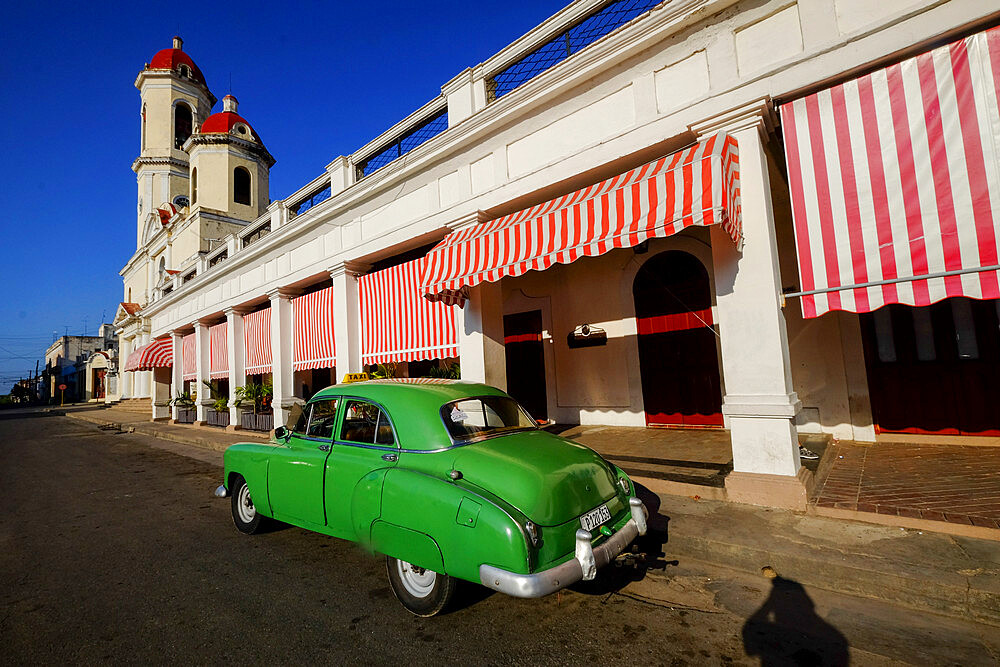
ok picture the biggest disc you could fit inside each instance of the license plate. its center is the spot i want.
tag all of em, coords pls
(595, 518)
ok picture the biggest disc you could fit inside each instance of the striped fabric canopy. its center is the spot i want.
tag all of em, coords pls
(397, 324)
(257, 337)
(155, 354)
(696, 186)
(313, 345)
(219, 351)
(189, 357)
(894, 177)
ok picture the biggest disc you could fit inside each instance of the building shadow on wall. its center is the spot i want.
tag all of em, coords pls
(787, 631)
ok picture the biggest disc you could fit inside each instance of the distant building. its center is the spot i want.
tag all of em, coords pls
(82, 363)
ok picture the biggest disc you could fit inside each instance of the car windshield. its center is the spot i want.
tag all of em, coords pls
(483, 416)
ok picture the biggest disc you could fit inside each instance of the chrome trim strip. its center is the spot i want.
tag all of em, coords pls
(556, 578)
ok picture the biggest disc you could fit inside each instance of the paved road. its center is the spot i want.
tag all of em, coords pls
(112, 548)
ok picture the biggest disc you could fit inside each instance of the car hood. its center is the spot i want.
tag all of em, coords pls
(550, 479)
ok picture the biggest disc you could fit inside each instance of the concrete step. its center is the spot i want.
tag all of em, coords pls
(944, 574)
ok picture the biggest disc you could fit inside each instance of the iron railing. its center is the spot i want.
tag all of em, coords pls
(221, 257)
(406, 142)
(312, 200)
(257, 234)
(589, 30)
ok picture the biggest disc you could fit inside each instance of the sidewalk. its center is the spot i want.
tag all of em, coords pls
(945, 574)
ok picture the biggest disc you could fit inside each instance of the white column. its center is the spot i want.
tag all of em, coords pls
(283, 380)
(236, 346)
(177, 370)
(124, 350)
(760, 402)
(466, 95)
(342, 174)
(202, 347)
(480, 336)
(160, 393)
(347, 317)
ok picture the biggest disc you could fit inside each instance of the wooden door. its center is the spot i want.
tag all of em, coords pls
(934, 369)
(678, 361)
(99, 382)
(522, 337)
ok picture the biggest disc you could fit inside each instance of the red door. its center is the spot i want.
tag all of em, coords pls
(522, 338)
(678, 361)
(99, 383)
(935, 369)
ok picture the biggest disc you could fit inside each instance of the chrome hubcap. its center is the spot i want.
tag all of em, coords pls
(417, 581)
(245, 506)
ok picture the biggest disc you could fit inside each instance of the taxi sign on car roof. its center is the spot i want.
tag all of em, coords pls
(355, 377)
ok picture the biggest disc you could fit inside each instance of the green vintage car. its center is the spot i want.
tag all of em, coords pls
(451, 480)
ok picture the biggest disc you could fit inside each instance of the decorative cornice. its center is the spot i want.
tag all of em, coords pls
(215, 138)
(756, 114)
(467, 220)
(349, 268)
(171, 161)
(286, 293)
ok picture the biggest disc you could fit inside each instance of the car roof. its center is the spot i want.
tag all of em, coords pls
(413, 404)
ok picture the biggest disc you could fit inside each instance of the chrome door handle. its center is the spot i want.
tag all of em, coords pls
(324, 448)
(390, 457)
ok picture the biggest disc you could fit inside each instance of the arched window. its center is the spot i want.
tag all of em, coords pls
(241, 186)
(143, 127)
(194, 186)
(182, 124)
(163, 268)
(130, 295)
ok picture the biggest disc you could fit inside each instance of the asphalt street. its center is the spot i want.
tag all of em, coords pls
(113, 549)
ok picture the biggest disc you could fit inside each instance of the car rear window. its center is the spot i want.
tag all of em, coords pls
(483, 416)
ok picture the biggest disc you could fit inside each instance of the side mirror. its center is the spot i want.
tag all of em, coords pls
(281, 433)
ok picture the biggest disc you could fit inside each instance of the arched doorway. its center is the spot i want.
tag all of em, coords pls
(678, 362)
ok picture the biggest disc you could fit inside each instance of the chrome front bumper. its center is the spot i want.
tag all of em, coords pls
(583, 565)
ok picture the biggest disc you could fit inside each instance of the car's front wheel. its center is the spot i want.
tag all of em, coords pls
(245, 515)
(423, 592)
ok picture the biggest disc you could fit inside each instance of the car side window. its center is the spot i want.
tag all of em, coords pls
(367, 423)
(324, 418)
(298, 418)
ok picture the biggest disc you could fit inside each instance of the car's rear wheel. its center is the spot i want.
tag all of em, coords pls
(423, 592)
(245, 515)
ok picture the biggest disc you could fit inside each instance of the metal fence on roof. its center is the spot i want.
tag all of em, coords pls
(584, 33)
(405, 143)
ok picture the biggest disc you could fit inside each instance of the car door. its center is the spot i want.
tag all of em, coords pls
(364, 448)
(295, 474)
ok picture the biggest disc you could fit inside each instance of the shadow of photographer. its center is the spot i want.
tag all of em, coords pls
(787, 631)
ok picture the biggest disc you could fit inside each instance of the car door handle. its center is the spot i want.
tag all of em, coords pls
(390, 457)
(324, 448)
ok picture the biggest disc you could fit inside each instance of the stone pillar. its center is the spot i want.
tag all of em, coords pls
(279, 214)
(283, 380)
(236, 345)
(160, 393)
(177, 370)
(480, 336)
(141, 381)
(203, 354)
(760, 402)
(347, 317)
(342, 174)
(466, 95)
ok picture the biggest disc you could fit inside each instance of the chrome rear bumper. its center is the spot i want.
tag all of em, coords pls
(583, 566)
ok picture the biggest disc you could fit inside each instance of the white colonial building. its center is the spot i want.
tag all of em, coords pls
(769, 217)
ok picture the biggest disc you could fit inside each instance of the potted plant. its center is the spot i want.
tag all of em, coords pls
(185, 407)
(255, 399)
(219, 414)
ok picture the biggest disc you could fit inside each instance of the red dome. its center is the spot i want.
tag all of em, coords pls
(172, 59)
(224, 121)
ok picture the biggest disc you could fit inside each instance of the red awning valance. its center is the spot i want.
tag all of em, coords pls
(189, 360)
(895, 182)
(156, 354)
(397, 324)
(696, 186)
(218, 336)
(313, 345)
(257, 337)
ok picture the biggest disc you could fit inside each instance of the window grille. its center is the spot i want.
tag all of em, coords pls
(221, 257)
(584, 33)
(257, 234)
(412, 138)
(306, 204)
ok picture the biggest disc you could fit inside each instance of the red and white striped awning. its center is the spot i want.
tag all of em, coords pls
(257, 337)
(155, 354)
(895, 182)
(313, 345)
(189, 357)
(696, 186)
(218, 336)
(397, 324)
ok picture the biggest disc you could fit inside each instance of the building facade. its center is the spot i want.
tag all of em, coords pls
(617, 218)
(82, 364)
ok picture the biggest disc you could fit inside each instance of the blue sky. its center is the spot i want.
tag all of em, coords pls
(315, 79)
